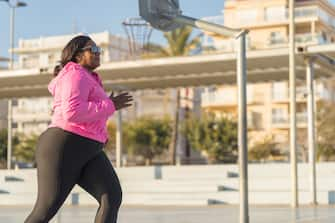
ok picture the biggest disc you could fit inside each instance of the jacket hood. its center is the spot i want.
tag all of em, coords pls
(53, 83)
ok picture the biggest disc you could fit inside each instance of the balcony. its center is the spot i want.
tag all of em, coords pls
(283, 121)
(300, 39)
(321, 93)
(218, 98)
(281, 96)
(229, 45)
(301, 13)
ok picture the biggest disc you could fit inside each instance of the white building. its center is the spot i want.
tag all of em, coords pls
(44, 52)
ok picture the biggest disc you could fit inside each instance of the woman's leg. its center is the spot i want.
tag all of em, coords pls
(59, 157)
(100, 180)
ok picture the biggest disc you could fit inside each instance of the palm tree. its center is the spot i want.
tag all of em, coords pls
(180, 43)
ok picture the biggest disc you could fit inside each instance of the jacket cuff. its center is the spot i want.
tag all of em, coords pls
(110, 106)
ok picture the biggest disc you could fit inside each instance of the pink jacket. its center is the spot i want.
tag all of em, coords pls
(80, 103)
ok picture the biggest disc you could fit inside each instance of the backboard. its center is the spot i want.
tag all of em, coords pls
(159, 13)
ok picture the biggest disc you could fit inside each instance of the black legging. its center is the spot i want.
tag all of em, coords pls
(65, 159)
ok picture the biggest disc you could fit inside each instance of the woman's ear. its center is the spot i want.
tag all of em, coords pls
(79, 57)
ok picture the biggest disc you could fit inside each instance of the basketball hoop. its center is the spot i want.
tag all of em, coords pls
(138, 32)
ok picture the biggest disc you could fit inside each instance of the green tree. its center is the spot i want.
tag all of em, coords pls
(24, 151)
(147, 137)
(326, 131)
(110, 146)
(3, 146)
(262, 150)
(180, 42)
(216, 136)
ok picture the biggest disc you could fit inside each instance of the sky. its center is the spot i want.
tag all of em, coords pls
(43, 18)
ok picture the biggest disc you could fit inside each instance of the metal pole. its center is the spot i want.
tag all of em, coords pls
(10, 115)
(11, 39)
(175, 131)
(242, 128)
(311, 127)
(119, 139)
(9, 135)
(293, 124)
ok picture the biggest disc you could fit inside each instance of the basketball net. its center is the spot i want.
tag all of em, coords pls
(138, 32)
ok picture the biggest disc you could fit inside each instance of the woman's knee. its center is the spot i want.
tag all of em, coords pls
(112, 199)
(116, 197)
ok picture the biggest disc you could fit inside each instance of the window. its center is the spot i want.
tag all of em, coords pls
(275, 13)
(323, 37)
(250, 93)
(247, 16)
(276, 37)
(279, 91)
(30, 61)
(15, 102)
(14, 125)
(279, 115)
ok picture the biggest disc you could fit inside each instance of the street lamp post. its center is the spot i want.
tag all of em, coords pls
(293, 122)
(12, 7)
(11, 66)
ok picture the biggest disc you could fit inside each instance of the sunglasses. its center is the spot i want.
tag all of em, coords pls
(93, 49)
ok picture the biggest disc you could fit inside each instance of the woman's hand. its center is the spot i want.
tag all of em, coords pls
(122, 100)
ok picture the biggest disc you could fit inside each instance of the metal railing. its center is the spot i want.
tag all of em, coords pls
(279, 119)
(305, 38)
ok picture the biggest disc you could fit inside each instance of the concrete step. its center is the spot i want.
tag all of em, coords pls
(175, 198)
(196, 185)
(24, 199)
(283, 198)
(281, 184)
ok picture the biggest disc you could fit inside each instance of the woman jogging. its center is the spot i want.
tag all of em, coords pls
(70, 152)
